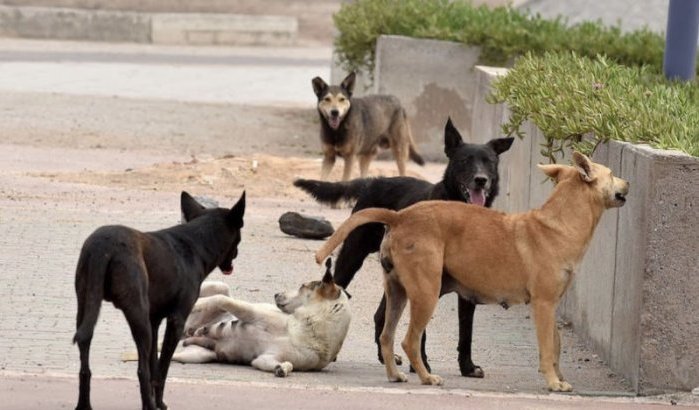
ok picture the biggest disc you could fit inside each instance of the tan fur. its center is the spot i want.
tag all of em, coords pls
(491, 256)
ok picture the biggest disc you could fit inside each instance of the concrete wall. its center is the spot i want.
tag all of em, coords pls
(433, 80)
(159, 28)
(635, 296)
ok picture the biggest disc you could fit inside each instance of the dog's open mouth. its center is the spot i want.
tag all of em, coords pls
(620, 197)
(477, 196)
(227, 270)
(334, 122)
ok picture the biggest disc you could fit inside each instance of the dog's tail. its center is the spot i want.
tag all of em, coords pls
(89, 287)
(331, 192)
(412, 151)
(385, 216)
(417, 158)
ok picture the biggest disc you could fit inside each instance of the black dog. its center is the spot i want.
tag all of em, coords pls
(471, 176)
(152, 276)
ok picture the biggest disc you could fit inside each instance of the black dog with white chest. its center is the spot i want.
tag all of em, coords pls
(471, 176)
(151, 276)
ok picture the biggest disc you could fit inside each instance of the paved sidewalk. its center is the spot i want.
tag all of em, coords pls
(43, 222)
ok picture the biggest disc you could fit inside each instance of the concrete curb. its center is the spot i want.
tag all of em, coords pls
(157, 28)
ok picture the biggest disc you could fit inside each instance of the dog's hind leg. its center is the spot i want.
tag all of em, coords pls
(422, 289)
(137, 317)
(466, 366)
(379, 323)
(85, 374)
(546, 333)
(269, 363)
(395, 304)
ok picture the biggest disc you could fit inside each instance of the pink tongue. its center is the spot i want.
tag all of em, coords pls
(334, 123)
(476, 197)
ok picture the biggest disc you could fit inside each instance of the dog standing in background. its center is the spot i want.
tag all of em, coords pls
(357, 127)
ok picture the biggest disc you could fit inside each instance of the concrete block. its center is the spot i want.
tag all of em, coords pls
(433, 80)
(74, 24)
(485, 125)
(669, 323)
(363, 85)
(223, 29)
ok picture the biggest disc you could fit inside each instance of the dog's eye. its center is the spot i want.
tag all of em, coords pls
(327, 99)
(342, 100)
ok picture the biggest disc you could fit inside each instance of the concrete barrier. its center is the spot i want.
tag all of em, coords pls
(635, 296)
(433, 80)
(74, 24)
(223, 29)
(159, 28)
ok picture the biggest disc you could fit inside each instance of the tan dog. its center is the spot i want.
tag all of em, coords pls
(490, 257)
(357, 127)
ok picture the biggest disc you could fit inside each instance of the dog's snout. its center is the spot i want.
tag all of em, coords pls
(334, 112)
(480, 180)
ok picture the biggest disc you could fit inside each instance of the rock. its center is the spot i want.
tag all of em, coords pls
(310, 227)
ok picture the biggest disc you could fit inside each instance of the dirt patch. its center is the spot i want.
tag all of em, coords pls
(260, 175)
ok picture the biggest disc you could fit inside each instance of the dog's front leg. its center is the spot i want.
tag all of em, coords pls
(349, 163)
(328, 163)
(269, 363)
(546, 333)
(173, 333)
(466, 366)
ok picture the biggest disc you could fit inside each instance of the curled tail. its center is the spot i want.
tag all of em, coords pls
(331, 192)
(365, 216)
(89, 287)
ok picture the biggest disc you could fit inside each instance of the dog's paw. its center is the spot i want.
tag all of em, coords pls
(283, 369)
(560, 386)
(433, 380)
(399, 377)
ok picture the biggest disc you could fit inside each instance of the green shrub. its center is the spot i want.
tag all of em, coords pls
(568, 96)
(502, 33)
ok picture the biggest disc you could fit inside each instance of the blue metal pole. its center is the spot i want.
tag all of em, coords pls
(680, 60)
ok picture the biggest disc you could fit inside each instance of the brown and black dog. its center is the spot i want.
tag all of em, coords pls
(150, 277)
(357, 127)
(490, 256)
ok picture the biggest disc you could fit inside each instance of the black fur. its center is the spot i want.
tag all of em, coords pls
(467, 162)
(150, 277)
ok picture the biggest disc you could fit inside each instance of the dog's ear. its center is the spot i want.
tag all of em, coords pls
(552, 170)
(584, 166)
(500, 145)
(235, 215)
(452, 138)
(328, 277)
(348, 83)
(319, 86)
(190, 207)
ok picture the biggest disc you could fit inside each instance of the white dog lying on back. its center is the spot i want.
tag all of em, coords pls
(304, 331)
